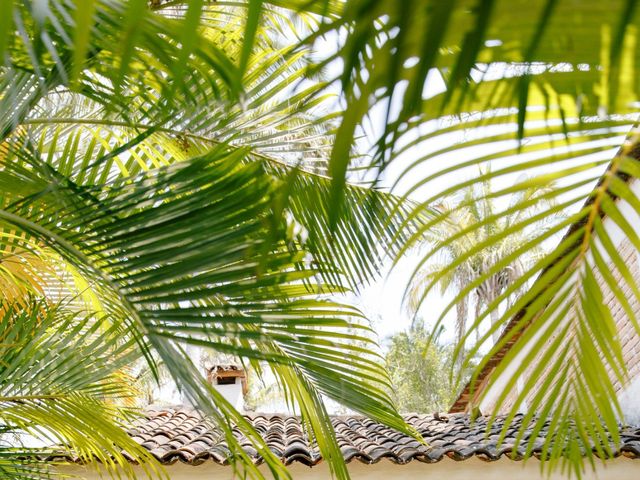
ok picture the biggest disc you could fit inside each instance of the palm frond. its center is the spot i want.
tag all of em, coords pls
(202, 259)
(563, 326)
(86, 47)
(538, 87)
(48, 393)
(535, 88)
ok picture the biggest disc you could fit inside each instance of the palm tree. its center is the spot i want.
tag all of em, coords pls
(129, 134)
(162, 186)
(464, 222)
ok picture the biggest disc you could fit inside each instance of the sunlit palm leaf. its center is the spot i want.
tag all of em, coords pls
(237, 294)
(544, 87)
(58, 384)
(49, 49)
(561, 324)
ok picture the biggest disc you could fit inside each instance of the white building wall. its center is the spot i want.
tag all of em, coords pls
(475, 469)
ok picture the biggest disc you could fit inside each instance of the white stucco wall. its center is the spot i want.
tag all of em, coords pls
(630, 402)
(233, 394)
(474, 469)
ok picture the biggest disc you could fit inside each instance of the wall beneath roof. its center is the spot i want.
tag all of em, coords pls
(505, 469)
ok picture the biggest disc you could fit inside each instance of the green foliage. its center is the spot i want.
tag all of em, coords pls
(419, 371)
(61, 377)
(115, 117)
(175, 183)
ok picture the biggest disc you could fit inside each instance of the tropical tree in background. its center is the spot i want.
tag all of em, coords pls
(468, 220)
(419, 371)
(130, 134)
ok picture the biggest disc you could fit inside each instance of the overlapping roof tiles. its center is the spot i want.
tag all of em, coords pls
(179, 435)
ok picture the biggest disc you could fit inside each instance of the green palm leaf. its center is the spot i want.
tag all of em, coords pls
(545, 88)
(231, 249)
(201, 259)
(60, 380)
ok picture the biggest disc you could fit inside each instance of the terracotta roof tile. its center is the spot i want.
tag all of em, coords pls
(184, 435)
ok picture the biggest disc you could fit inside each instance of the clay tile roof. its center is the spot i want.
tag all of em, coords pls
(185, 436)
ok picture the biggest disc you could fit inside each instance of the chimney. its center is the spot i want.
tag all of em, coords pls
(231, 382)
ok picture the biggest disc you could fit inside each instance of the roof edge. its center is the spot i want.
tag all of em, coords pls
(476, 385)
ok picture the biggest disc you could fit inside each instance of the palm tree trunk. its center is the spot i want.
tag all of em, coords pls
(461, 328)
(477, 314)
(487, 293)
(495, 317)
